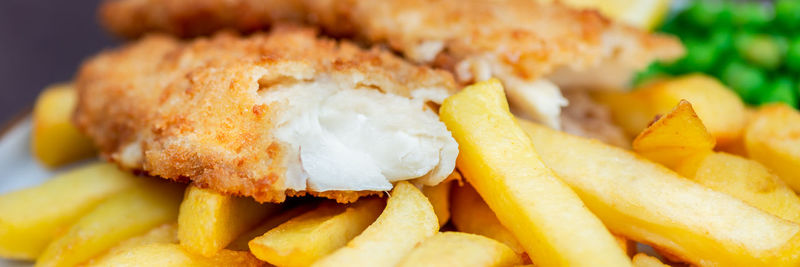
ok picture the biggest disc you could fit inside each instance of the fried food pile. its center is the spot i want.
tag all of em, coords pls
(399, 133)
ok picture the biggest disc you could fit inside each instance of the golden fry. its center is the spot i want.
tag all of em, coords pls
(499, 161)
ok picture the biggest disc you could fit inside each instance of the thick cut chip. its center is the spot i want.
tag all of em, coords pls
(173, 255)
(722, 111)
(499, 161)
(240, 244)
(744, 179)
(471, 215)
(123, 216)
(648, 203)
(31, 218)
(208, 221)
(407, 221)
(305, 239)
(679, 140)
(773, 138)
(461, 249)
(55, 141)
(674, 137)
(231, 114)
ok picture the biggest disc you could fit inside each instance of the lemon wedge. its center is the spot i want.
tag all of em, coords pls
(643, 14)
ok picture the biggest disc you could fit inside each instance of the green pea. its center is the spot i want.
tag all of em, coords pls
(744, 79)
(703, 13)
(760, 49)
(751, 14)
(700, 56)
(781, 90)
(787, 14)
(793, 55)
(723, 40)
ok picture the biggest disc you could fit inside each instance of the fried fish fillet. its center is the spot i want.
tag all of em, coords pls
(268, 115)
(534, 48)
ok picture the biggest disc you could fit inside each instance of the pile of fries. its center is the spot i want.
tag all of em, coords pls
(708, 183)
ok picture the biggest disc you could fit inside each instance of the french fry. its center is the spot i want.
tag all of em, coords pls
(439, 196)
(471, 215)
(407, 220)
(164, 234)
(240, 243)
(173, 255)
(720, 109)
(31, 218)
(305, 239)
(499, 161)
(461, 249)
(120, 217)
(208, 221)
(674, 137)
(773, 138)
(55, 141)
(744, 179)
(679, 140)
(644, 260)
(648, 203)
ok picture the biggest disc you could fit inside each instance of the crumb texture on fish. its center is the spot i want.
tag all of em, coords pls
(213, 110)
(524, 43)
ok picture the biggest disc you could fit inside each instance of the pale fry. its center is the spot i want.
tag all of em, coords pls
(208, 221)
(55, 141)
(461, 249)
(120, 217)
(173, 255)
(773, 138)
(439, 196)
(651, 204)
(31, 218)
(407, 220)
(499, 160)
(305, 239)
(471, 215)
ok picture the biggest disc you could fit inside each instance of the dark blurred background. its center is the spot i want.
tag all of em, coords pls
(43, 42)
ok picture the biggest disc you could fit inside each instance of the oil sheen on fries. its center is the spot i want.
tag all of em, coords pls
(498, 159)
(648, 203)
(407, 220)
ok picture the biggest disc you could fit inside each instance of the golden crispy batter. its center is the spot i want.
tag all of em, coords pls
(190, 110)
(535, 38)
(188, 18)
(533, 48)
